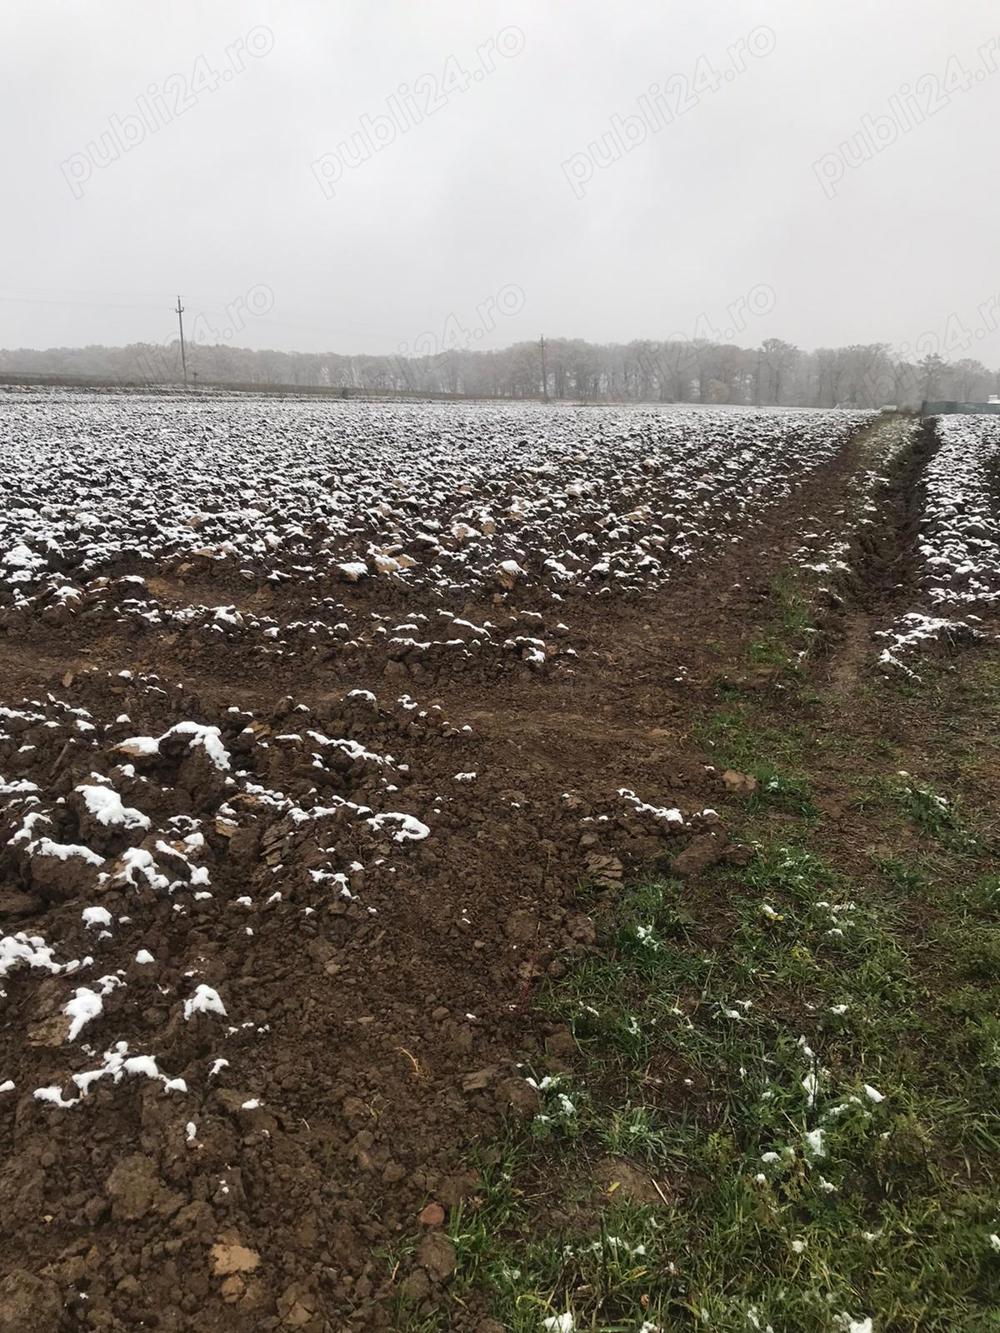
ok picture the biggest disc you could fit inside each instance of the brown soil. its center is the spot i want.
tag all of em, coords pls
(378, 1045)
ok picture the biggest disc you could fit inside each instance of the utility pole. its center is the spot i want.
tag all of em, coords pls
(758, 376)
(545, 378)
(180, 321)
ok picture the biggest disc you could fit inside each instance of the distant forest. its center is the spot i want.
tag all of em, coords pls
(777, 372)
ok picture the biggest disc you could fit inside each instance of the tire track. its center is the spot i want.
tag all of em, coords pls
(883, 562)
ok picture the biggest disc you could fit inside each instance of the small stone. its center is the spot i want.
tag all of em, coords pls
(296, 1306)
(508, 573)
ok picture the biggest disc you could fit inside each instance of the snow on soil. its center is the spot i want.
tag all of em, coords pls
(958, 543)
(456, 497)
(107, 808)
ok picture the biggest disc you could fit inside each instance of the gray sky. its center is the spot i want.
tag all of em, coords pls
(261, 196)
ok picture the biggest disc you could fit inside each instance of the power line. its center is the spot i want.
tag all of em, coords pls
(55, 300)
(217, 305)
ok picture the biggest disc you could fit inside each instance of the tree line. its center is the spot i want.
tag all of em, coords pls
(696, 371)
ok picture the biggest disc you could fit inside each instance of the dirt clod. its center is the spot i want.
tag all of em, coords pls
(230, 1256)
(133, 1187)
(27, 1303)
(431, 1216)
(702, 852)
(436, 1254)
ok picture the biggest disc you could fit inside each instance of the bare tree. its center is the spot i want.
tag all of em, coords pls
(779, 358)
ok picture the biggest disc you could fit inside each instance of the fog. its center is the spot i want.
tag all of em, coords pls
(359, 177)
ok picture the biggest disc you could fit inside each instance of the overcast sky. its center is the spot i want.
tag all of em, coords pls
(832, 167)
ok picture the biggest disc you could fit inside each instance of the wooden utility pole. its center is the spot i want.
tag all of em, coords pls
(180, 321)
(545, 377)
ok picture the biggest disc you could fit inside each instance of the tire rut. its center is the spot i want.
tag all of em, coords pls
(884, 562)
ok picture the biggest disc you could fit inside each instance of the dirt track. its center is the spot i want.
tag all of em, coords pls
(372, 1036)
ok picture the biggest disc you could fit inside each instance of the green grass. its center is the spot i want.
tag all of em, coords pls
(784, 1107)
(736, 739)
(928, 814)
(787, 638)
(823, 1126)
(933, 814)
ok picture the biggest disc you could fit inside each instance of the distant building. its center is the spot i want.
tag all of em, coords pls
(948, 407)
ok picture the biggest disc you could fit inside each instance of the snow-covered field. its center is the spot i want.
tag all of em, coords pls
(958, 544)
(453, 496)
(960, 534)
